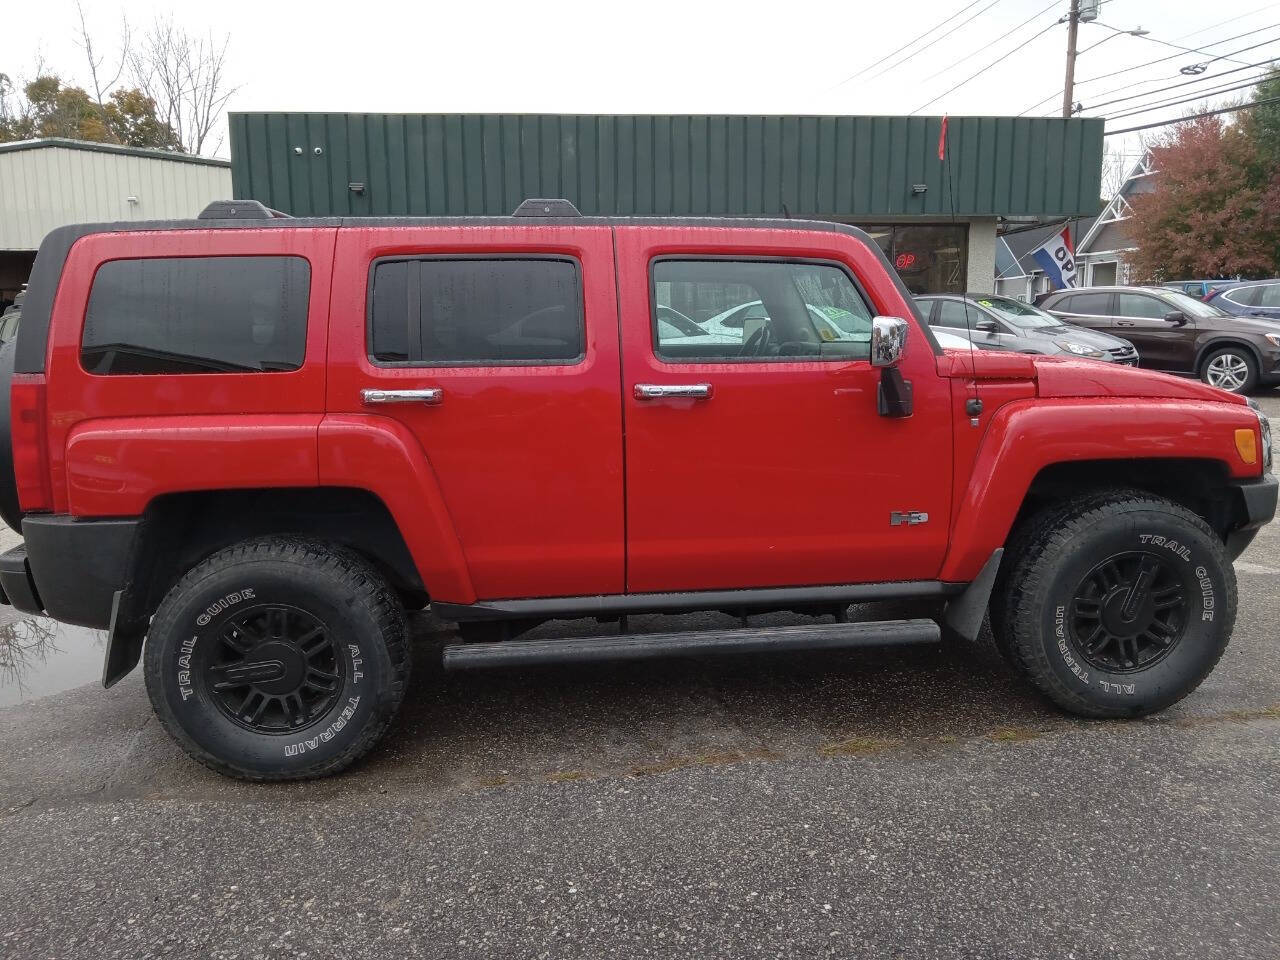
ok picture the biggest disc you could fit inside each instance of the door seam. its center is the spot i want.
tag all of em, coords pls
(622, 417)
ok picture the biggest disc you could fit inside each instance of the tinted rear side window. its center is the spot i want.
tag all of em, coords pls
(197, 315)
(507, 311)
(1086, 304)
(1245, 296)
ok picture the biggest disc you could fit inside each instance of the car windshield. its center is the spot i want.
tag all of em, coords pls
(1018, 313)
(677, 323)
(848, 325)
(1190, 305)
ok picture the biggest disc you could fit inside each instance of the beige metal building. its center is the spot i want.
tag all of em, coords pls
(49, 183)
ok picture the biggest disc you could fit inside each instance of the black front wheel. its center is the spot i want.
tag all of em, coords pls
(278, 659)
(1119, 604)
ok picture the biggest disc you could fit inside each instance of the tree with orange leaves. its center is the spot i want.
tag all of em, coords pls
(1215, 209)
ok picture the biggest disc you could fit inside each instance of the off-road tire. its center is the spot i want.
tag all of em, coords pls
(1052, 555)
(361, 617)
(1239, 355)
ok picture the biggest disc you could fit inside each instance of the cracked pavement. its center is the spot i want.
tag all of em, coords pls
(911, 802)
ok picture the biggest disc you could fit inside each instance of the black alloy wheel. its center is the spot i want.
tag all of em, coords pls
(278, 669)
(1129, 612)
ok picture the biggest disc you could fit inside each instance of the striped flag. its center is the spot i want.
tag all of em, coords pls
(1057, 257)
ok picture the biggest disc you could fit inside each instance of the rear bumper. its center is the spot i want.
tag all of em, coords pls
(69, 569)
(1256, 506)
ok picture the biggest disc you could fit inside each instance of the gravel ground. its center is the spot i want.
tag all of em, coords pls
(911, 803)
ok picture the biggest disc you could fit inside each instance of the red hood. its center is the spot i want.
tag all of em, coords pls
(1060, 377)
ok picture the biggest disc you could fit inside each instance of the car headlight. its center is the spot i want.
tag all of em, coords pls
(1079, 349)
(1272, 338)
(1264, 428)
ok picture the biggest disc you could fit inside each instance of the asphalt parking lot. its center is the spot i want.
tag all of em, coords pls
(912, 803)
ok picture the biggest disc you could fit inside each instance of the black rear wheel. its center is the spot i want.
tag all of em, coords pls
(278, 659)
(278, 669)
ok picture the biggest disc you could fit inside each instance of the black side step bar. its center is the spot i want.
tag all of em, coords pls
(819, 636)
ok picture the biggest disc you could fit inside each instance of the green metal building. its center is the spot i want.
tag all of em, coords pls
(935, 217)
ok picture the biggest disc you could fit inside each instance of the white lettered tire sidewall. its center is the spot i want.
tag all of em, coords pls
(185, 635)
(1201, 565)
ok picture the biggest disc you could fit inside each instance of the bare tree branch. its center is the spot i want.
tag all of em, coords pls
(186, 77)
(97, 75)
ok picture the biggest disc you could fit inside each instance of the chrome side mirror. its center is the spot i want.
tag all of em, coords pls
(888, 341)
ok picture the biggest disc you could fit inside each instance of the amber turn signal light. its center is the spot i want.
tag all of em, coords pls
(1247, 445)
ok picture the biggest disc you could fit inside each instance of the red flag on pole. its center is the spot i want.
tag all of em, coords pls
(942, 139)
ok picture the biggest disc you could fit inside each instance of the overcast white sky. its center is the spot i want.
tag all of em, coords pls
(690, 56)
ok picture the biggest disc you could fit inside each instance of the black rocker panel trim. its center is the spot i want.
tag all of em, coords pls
(618, 603)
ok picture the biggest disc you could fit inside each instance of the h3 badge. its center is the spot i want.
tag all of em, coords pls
(910, 518)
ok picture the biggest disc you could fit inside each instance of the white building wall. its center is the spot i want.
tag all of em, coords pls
(982, 255)
(50, 186)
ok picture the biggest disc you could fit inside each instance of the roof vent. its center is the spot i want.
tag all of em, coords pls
(546, 208)
(239, 210)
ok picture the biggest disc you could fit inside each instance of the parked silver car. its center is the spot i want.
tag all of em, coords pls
(1001, 323)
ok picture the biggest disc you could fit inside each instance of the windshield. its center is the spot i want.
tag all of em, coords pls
(844, 324)
(677, 323)
(1190, 305)
(1018, 313)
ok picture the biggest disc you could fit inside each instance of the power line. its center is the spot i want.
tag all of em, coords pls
(937, 39)
(1163, 43)
(974, 76)
(1174, 56)
(1034, 16)
(1151, 63)
(1187, 83)
(909, 43)
(1174, 103)
(1194, 116)
(1146, 93)
(1223, 23)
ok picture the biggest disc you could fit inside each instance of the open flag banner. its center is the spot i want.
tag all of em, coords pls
(1057, 257)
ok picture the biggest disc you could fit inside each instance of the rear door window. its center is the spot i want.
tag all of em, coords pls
(167, 315)
(1085, 304)
(958, 316)
(458, 312)
(1245, 296)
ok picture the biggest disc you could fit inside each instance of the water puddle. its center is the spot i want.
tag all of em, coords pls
(39, 656)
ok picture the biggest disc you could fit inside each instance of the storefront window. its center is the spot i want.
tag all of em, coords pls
(930, 258)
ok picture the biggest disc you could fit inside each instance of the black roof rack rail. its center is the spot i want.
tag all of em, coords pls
(240, 210)
(546, 208)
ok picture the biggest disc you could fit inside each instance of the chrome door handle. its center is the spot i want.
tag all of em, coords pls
(657, 391)
(430, 396)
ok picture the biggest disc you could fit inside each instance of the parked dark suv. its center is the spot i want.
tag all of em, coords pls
(1178, 334)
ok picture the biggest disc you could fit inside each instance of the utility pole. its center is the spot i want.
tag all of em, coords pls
(1068, 92)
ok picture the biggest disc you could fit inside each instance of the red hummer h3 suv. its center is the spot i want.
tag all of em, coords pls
(254, 442)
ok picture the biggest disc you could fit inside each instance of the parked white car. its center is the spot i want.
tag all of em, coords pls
(832, 323)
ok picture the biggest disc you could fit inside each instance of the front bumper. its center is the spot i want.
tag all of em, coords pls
(69, 569)
(1255, 507)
